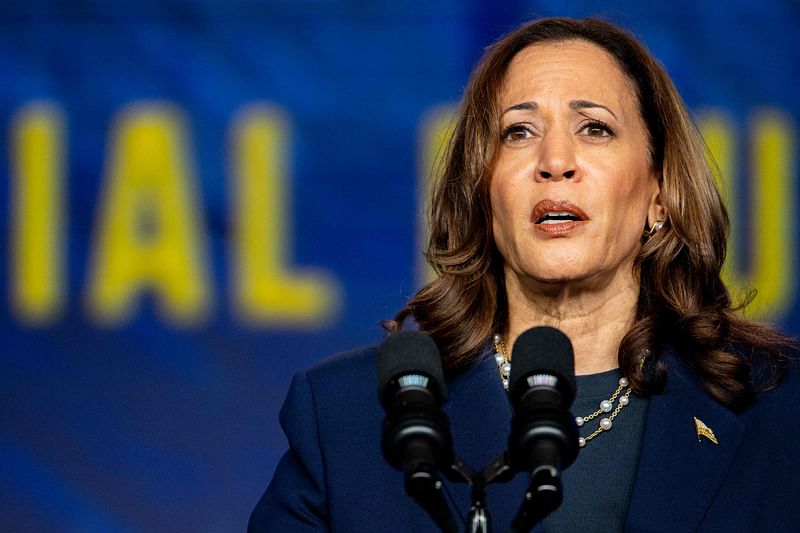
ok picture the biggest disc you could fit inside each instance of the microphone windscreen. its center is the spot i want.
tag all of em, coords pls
(544, 350)
(409, 352)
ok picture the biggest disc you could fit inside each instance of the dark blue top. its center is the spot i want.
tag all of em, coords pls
(597, 487)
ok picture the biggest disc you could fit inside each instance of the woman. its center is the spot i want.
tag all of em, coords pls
(575, 194)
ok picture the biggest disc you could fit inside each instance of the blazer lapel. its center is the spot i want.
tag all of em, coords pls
(680, 469)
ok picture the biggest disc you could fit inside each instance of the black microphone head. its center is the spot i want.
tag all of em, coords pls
(543, 351)
(410, 352)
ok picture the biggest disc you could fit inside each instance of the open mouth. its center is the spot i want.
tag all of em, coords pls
(551, 212)
(557, 217)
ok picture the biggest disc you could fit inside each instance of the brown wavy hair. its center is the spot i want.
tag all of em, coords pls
(682, 300)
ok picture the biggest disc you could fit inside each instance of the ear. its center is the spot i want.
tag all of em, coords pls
(657, 211)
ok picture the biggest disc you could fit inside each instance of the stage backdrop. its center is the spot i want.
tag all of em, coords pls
(200, 198)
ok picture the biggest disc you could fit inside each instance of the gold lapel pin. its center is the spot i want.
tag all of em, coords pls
(704, 431)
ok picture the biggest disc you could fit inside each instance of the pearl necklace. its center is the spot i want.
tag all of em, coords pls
(606, 406)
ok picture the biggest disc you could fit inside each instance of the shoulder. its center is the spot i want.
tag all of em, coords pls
(344, 374)
(773, 405)
(343, 384)
(357, 360)
(777, 385)
(778, 400)
(340, 388)
(768, 378)
(332, 409)
(331, 418)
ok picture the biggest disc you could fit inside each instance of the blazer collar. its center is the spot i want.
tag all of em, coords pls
(680, 471)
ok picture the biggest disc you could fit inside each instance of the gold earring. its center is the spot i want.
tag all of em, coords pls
(654, 229)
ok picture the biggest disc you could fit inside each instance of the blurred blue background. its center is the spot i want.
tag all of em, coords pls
(201, 197)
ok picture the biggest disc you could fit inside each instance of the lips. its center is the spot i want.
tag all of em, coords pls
(555, 212)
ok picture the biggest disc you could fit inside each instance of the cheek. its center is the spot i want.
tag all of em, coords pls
(501, 197)
(499, 215)
(627, 201)
(629, 204)
(633, 186)
(506, 195)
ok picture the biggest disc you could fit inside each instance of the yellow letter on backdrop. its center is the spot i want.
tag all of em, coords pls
(266, 290)
(38, 201)
(149, 235)
(772, 259)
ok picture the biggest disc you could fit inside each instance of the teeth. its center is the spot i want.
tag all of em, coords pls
(557, 217)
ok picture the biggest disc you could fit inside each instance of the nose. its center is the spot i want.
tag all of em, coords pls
(556, 157)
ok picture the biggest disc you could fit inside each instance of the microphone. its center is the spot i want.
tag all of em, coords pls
(416, 434)
(544, 438)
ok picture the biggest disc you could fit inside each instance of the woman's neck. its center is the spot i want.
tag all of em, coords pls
(595, 316)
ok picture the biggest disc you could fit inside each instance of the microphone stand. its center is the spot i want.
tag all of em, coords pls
(542, 497)
(540, 500)
(478, 519)
(498, 470)
(425, 488)
(544, 493)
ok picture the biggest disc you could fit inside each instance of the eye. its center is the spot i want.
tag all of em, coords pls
(596, 129)
(516, 133)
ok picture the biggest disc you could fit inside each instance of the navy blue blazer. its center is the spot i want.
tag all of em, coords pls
(334, 478)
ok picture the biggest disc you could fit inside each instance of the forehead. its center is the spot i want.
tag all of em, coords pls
(572, 69)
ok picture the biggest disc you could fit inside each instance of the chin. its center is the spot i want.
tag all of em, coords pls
(550, 267)
(556, 279)
(555, 275)
(557, 268)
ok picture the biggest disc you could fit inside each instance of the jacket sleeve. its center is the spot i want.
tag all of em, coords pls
(296, 498)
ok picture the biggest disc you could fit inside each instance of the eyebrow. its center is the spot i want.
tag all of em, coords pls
(586, 104)
(522, 106)
(574, 104)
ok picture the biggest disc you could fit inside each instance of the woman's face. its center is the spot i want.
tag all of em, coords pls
(572, 184)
